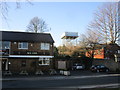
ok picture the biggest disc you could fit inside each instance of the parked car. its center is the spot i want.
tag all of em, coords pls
(77, 66)
(99, 68)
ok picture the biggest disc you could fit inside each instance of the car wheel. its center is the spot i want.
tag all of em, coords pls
(98, 71)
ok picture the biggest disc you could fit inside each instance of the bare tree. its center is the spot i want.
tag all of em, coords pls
(37, 25)
(4, 7)
(90, 42)
(106, 22)
(4, 10)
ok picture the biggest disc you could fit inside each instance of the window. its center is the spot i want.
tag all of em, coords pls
(44, 61)
(118, 51)
(23, 45)
(4, 45)
(45, 46)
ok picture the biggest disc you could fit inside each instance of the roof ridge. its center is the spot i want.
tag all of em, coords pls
(23, 32)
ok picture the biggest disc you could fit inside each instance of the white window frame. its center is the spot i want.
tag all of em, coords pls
(45, 46)
(44, 60)
(22, 45)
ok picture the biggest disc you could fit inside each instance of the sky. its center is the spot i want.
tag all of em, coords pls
(60, 16)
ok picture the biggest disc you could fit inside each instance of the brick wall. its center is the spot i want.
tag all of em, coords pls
(31, 65)
(32, 47)
(99, 54)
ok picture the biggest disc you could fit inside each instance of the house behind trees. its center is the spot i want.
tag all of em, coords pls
(105, 51)
(108, 55)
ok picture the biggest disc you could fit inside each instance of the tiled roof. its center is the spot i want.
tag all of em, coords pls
(26, 36)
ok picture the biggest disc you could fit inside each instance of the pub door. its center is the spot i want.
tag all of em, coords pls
(5, 64)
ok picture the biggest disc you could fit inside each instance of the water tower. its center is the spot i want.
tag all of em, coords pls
(69, 38)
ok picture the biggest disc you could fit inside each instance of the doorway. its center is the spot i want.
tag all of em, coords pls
(5, 64)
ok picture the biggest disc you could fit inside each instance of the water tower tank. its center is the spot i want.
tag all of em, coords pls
(69, 35)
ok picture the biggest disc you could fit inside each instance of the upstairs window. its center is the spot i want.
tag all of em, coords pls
(4, 45)
(45, 46)
(23, 45)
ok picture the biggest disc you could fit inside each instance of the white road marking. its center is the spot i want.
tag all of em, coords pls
(116, 85)
(93, 76)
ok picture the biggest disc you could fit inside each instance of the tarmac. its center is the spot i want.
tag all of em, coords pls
(73, 75)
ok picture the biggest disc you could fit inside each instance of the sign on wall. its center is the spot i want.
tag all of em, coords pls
(62, 65)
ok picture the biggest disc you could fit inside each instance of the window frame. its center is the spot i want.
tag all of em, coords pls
(44, 61)
(45, 46)
(21, 43)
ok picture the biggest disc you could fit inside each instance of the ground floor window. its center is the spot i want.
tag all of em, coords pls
(44, 61)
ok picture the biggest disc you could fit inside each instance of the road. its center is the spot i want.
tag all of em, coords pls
(92, 80)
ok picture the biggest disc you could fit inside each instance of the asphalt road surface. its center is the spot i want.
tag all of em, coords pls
(67, 82)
